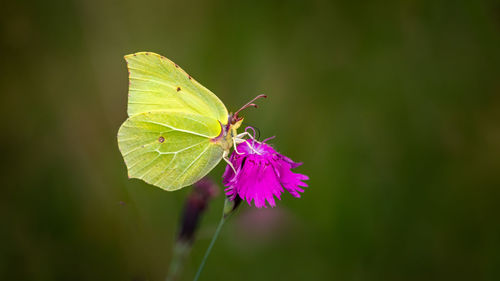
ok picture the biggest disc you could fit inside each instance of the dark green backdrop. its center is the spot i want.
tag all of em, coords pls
(394, 108)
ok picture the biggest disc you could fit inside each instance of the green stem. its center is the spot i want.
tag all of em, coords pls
(207, 253)
(181, 250)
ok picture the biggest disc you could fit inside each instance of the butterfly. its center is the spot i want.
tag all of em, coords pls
(177, 130)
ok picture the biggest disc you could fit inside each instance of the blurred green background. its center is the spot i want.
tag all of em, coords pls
(393, 106)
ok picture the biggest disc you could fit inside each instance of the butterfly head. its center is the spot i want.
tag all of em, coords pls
(229, 131)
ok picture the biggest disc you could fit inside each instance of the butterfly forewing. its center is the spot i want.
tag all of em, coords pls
(156, 83)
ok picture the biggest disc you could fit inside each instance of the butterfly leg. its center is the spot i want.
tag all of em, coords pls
(237, 140)
(240, 136)
(224, 156)
(245, 133)
(253, 149)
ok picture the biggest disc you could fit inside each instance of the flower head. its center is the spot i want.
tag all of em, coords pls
(261, 174)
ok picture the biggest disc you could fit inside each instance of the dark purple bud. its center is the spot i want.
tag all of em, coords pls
(196, 203)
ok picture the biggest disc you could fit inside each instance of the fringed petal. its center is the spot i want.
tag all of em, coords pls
(261, 175)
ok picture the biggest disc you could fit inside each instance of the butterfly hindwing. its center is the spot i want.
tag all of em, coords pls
(169, 149)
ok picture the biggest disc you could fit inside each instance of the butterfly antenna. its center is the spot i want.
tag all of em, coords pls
(249, 104)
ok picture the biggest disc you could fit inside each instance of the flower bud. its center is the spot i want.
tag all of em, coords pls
(196, 203)
(230, 205)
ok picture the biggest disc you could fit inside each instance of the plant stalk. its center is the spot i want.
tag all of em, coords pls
(209, 249)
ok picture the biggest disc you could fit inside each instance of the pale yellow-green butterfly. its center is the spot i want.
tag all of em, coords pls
(177, 130)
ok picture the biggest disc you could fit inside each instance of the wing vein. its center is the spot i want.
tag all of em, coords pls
(152, 80)
(137, 148)
(176, 129)
(189, 166)
(144, 71)
(147, 171)
(162, 175)
(175, 152)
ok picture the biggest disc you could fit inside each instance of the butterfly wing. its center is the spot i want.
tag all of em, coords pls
(169, 149)
(156, 83)
(166, 141)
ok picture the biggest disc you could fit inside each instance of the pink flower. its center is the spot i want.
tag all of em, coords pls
(261, 174)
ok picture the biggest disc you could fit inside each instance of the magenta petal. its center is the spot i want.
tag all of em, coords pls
(290, 161)
(261, 175)
(228, 175)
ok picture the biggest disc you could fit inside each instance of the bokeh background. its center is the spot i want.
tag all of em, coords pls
(393, 106)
